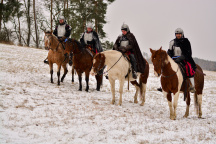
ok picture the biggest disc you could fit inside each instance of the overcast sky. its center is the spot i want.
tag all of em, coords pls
(153, 23)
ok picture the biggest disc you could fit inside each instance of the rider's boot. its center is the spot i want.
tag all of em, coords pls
(133, 65)
(159, 89)
(192, 88)
(46, 61)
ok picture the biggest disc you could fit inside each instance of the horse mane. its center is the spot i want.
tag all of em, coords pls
(77, 42)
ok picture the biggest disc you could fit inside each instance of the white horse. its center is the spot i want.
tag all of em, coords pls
(117, 68)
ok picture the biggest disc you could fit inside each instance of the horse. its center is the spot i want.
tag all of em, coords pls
(172, 82)
(55, 55)
(82, 62)
(118, 67)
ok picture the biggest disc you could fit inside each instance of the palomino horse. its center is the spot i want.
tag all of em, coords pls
(117, 68)
(55, 55)
(82, 62)
(172, 82)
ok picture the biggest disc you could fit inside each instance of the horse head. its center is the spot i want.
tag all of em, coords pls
(47, 39)
(98, 63)
(71, 45)
(158, 59)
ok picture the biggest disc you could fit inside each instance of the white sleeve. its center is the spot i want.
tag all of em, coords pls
(171, 44)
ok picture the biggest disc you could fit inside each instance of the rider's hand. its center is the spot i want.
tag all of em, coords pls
(122, 49)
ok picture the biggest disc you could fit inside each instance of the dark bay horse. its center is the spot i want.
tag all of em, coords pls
(55, 55)
(82, 62)
(172, 82)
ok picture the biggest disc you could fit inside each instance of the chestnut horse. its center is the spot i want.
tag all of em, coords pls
(117, 68)
(82, 62)
(172, 82)
(55, 55)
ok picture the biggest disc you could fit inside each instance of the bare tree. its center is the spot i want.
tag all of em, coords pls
(35, 21)
(1, 13)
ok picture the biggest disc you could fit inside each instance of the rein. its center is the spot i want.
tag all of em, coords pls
(110, 67)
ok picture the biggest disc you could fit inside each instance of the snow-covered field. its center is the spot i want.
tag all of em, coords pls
(32, 110)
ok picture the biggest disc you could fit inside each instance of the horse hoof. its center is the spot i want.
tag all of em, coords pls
(142, 104)
(80, 89)
(113, 102)
(86, 90)
(135, 101)
(185, 116)
(119, 104)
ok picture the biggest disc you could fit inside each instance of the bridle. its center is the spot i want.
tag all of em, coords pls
(98, 68)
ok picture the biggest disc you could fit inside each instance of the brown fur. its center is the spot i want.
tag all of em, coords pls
(82, 62)
(55, 55)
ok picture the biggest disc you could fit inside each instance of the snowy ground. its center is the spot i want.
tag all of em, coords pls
(32, 110)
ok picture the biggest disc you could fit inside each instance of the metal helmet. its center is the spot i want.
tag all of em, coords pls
(179, 31)
(61, 17)
(89, 25)
(125, 27)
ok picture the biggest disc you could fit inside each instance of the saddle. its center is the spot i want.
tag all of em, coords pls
(90, 50)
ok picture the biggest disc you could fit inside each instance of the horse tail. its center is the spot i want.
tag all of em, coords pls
(196, 105)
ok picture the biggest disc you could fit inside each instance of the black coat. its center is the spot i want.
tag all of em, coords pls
(136, 50)
(185, 46)
(95, 41)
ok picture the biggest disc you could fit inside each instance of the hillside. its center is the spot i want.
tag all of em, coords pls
(33, 111)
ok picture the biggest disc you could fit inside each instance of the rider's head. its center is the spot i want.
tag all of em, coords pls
(179, 33)
(89, 27)
(61, 20)
(125, 29)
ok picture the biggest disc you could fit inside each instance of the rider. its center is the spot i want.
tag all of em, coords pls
(126, 43)
(62, 32)
(180, 51)
(90, 39)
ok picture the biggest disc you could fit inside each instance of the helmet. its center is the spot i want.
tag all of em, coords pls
(89, 25)
(125, 27)
(61, 17)
(179, 31)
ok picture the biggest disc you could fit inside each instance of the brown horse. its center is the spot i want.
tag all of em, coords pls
(55, 55)
(172, 82)
(82, 62)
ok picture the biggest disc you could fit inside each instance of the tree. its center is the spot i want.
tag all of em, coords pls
(35, 21)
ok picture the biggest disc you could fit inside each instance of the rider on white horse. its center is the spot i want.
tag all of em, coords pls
(126, 43)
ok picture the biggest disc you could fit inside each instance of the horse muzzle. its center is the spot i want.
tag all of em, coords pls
(156, 74)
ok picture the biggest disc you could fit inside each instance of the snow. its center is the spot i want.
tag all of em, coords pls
(32, 110)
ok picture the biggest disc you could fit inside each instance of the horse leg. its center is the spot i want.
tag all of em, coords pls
(169, 100)
(134, 83)
(58, 74)
(99, 81)
(51, 71)
(121, 91)
(87, 80)
(80, 81)
(65, 72)
(187, 105)
(72, 74)
(199, 98)
(175, 103)
(112, 83)
(142, 92)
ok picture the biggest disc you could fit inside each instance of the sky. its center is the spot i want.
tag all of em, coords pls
(153, 22)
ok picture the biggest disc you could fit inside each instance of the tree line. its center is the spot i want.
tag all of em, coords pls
(24, 21)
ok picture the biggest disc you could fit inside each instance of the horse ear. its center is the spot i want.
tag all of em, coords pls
(160, 48)
(151, 50)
